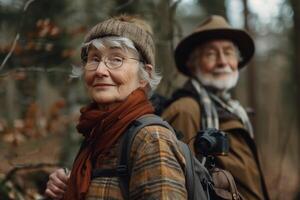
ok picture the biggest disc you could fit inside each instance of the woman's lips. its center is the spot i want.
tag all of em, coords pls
(103, 85)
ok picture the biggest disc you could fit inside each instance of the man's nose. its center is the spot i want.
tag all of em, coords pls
(222, 59)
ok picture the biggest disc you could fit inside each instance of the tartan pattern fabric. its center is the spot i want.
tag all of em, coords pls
(157, 170)
(209, 100)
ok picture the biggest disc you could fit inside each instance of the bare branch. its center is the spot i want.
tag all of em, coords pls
(27, 4)
(9, 175)
(10, 52)
(34, 69)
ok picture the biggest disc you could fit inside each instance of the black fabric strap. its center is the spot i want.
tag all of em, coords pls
(189, 176)
(130, 134)
(120, 171)
(124, 159)
(123, 170)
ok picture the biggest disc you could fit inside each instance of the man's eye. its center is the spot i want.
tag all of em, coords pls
(230, 53)
(210, 53)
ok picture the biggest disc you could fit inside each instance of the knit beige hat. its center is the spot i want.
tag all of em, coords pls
(130, 27)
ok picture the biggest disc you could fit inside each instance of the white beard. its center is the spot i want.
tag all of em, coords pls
(223, 83)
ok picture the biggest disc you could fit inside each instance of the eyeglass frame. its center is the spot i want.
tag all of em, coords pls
(105, 60)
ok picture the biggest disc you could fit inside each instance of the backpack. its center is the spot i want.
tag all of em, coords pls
(224, 186)
(199, 183)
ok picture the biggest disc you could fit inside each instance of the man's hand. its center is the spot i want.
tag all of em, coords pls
(57, 184)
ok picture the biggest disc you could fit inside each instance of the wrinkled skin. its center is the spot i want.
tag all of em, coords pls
(57, 184)
(106, 87)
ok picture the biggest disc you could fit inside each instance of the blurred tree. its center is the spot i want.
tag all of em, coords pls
(164, 34)
(8, 15)
(296, 64)
(214, 7)
(41, 38)
(95, 11)
(41, 43)
(125, 6)
(251, 72)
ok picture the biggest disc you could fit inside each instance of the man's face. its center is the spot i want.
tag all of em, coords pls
(215, 64)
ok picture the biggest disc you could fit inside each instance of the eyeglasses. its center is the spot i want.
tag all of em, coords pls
(111, 62)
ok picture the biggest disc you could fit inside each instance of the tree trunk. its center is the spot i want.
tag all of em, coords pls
(11, 105)
(214, 7)
(164, 39)
(296, 63)
(251, 72)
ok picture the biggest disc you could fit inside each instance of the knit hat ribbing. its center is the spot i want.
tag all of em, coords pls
(132, 28)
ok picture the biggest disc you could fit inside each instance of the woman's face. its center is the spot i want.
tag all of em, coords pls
(108, 86)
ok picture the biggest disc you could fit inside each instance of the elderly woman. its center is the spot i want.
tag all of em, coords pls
(118, 70)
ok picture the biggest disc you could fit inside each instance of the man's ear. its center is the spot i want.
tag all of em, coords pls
(191, 66)
(193, 59)
(149, 69)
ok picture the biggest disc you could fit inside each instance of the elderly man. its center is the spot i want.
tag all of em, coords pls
(211, 57)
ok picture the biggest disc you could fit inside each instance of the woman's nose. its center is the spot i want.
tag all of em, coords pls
(102, 69)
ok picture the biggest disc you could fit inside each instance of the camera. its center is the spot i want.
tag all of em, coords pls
(211, 142)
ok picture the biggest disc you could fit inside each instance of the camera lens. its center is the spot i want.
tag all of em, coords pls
(205, 144)
(211, 142)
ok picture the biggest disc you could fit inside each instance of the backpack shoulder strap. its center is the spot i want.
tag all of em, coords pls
(189, 175)
(123, 170)
(127, 142)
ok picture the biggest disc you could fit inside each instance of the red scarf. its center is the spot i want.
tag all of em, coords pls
(101, 130)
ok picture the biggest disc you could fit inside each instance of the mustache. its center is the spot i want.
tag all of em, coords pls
(226, 69)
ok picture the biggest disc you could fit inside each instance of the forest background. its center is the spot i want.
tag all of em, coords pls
(39, 101)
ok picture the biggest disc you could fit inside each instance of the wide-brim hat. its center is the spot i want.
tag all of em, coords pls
(215, 27)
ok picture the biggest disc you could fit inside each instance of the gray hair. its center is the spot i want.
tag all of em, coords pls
(127, 45)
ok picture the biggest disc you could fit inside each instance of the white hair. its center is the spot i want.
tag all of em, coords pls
(153, 78)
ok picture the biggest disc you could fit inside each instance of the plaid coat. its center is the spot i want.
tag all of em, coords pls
(157, 168)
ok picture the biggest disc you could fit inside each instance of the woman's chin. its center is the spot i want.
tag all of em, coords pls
(104, 100)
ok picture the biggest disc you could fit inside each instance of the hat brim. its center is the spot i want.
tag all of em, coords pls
(240, 38)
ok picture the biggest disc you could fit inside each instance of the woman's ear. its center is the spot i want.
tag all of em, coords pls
(148, 69)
